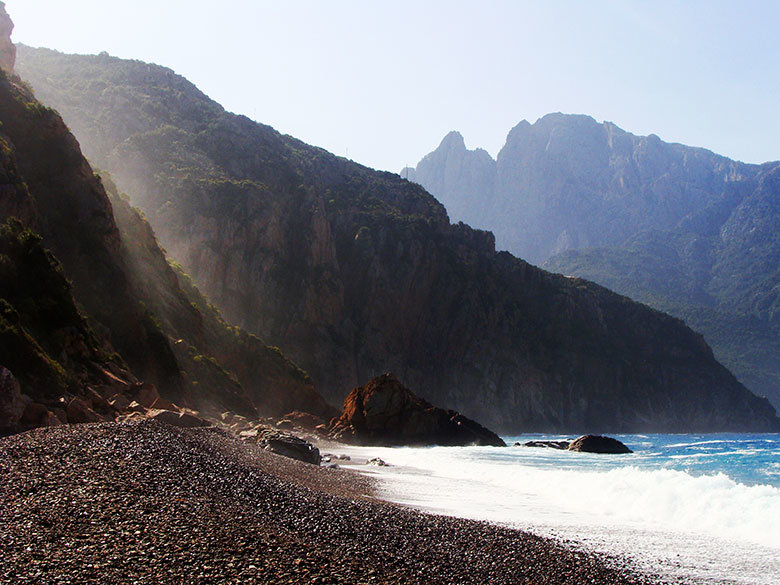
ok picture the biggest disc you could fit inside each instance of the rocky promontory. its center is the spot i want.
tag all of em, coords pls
(384, 412)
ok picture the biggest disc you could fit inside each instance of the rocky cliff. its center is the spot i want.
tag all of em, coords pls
(467, 177)
(103, 308)
(354, 272)
(568, 182)
(682, 229)
(7, 48)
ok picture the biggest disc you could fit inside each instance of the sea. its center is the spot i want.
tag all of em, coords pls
(698, 509)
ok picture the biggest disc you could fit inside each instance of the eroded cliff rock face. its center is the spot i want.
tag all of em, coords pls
(682, 229)
(467, 177)
(384, 412)
(87, 309)
(354, 272)
(7, 48)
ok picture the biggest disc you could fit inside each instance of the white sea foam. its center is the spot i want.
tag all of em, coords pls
(707, 526)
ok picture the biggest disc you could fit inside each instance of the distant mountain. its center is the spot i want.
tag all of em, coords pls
(355, 272)
(568, 182)
(679, 228)
(88, 301)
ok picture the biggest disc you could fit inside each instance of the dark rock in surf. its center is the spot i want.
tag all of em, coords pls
(598, 444)
(548, 444)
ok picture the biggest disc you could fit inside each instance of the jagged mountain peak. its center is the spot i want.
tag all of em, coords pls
(679, 227)
(453, 139)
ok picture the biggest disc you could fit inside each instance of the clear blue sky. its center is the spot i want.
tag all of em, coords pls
(385, 81)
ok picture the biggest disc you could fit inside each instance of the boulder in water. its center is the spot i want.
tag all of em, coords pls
(598, 444)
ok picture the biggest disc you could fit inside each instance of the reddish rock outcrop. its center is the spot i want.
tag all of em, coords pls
(7, 48)
(384, 412)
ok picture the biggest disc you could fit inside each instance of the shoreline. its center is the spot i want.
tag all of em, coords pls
(147, 503)
(663, 522)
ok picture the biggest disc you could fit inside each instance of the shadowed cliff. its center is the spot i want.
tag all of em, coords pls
(353, 272)
(680, 228)
(92, 298)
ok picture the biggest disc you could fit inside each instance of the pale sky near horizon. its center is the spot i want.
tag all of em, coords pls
(383, 82)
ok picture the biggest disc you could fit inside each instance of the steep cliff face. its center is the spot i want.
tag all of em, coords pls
(568, 182)
(353, 272)
(7, 48)
(75, 219)
(467, 177)
(679, 228)
(140, 316)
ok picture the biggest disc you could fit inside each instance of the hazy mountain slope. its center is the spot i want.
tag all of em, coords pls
(679, 228)
(354, 272)
(568, 182)
(235, 362)
(466, 177)
(121, 279)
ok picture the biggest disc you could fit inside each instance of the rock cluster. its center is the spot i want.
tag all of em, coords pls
(384, 412)
(584, 444)
(118, 399)
(275, 436)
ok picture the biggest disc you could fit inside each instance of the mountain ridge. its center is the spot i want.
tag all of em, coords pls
(353, 272)
(680, 228)
(90, 306)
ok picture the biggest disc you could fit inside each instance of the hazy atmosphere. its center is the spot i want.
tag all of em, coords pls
(543, 348)
(383, 82)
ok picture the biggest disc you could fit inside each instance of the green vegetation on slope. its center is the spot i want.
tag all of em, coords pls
(130, 295)
(353, 272)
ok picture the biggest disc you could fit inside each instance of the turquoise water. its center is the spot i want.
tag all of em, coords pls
(751, 459)
(693, 508)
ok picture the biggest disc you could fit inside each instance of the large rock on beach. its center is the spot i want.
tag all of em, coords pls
(598, 444)
(37, 415)
(293, 447)
(384, 412)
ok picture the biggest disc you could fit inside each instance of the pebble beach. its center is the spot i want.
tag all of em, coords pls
(146, 503)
